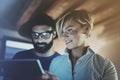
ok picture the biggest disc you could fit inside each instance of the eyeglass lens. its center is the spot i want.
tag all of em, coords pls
(43, 35)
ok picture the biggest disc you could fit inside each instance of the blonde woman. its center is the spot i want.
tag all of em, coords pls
(80, 62)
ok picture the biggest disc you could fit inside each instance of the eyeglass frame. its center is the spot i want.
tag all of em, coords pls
(39, 34)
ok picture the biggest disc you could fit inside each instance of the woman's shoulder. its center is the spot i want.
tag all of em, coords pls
(102, 62)
(104, 66)
(59, 58)
(57, 62)
(101, 59)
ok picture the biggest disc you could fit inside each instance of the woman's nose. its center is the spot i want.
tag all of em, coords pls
(65, 34)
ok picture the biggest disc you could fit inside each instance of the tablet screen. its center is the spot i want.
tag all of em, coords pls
(21, 69)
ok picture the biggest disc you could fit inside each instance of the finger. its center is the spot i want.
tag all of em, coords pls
(52, 76)
(49, 76)
(45, 76)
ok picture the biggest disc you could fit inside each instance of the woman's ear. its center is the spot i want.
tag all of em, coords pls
(85, 29)
(54, 34)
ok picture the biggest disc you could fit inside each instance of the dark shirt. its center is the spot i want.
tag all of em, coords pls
(29, 54)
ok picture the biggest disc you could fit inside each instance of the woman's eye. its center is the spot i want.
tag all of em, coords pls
(69, 30)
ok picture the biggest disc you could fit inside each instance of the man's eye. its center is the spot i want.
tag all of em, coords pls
(45, 35)
(35, 34)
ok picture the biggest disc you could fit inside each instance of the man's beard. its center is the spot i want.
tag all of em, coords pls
(44, 48)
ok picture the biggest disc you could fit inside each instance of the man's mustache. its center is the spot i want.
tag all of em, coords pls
(41, 43)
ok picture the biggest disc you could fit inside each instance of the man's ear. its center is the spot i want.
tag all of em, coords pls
(54, 34)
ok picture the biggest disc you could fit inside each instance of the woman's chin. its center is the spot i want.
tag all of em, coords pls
(70, 47)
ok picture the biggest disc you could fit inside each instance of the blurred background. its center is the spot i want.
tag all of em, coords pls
(105, 39)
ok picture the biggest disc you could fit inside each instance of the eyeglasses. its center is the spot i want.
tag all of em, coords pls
(43, 35)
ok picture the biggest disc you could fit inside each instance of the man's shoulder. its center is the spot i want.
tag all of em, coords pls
(23, 53)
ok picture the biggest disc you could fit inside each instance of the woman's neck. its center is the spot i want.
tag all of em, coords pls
(76, 53)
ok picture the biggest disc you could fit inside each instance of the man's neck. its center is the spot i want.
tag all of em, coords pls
(47, 54)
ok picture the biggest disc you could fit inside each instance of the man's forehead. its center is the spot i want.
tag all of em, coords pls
(41, 28)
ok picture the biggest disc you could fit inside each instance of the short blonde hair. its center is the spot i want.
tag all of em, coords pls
(82, 17)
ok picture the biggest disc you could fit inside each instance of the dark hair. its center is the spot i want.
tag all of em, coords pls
(41, 19)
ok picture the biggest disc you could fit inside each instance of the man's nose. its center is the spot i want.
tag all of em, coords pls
(40, 39)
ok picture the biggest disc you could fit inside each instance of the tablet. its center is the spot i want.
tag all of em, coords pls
(21, 69)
